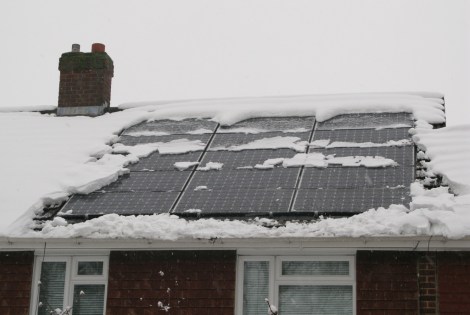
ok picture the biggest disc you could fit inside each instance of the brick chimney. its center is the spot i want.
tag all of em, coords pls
(85, 81)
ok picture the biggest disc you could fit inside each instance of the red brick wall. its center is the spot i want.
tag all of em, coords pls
(85, 88)
(387, 283)
(16, 272)
(454, 282)
(427, 281)
(190, 282)
(85, 79)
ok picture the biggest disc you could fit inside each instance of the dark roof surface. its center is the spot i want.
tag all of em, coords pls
(154, 185)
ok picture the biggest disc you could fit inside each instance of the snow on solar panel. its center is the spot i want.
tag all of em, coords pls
(256, 179)
(236, 201)
(286, 124)
(157, 162)
(128, 140)
(155, 186)
(367, 121)
(357, 177)
(234, 160)
(402, 155)
(362, 135)
(173, 127)
(332, 200)
(139, 202)
(236, 139)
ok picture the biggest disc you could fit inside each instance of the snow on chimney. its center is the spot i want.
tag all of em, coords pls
(85, 81)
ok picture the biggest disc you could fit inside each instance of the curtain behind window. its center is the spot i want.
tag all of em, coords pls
(51, 294)
(255, 287)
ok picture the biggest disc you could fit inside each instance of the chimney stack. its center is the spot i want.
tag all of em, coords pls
(85, 82)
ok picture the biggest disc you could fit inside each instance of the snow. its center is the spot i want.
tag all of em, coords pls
(322, 161)
(248, 130)
(340, 144)
(47, 158)
(216, 166)
(182, 166)
(278, 142)
(449, 151)
(229, 111)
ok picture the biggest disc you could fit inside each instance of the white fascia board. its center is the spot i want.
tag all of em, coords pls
(422, 243)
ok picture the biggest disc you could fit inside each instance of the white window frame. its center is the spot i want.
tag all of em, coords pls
(276, 278)
(71, 277)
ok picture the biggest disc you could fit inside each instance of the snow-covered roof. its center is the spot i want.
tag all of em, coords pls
(49, 158)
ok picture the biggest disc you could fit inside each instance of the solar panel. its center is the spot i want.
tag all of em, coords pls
(157, 162)
(366, 121)
(233, 160)
(236, 201)
(357, 177)
(362, 135)
(235, 139)
(150, 181)
(404, 156)
(128, 140)
(256, 179)
(139, 202)
(331, 200)
(271, 124)
(174, 127)
(155, 186)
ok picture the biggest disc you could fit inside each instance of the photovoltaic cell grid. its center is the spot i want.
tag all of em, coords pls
(362, 135)
(139, 202)
(234, 160)
(129, 140)
(174, 127)
(367, 121)
(404, 156)
(252, 179)
(235, 191)
(272, 124)
(237, 201)
(150, 181)
(342, 201)
(357, 177)
(157, 162)
(236, 139)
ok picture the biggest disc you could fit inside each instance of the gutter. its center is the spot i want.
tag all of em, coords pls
(348, 244)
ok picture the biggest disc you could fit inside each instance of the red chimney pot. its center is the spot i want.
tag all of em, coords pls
(97, 48)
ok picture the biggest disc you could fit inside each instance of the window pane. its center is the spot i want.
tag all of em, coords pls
(321, 299)
(315, 268)
(90, 268)
(255, 287)
(88, 299)
(51, 289)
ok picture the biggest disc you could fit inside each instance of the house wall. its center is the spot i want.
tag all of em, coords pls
(387, 283)
(189, 282)
(454, 282)
(16, 272)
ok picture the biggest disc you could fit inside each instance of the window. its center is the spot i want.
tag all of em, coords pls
(296, 285)
(73, 285)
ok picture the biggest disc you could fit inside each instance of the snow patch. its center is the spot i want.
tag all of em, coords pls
(211, 166)
(278, 142)
(182, 166)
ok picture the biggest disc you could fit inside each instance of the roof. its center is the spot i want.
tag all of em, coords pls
(242, 158)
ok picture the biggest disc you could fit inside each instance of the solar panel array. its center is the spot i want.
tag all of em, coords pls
(245, 186)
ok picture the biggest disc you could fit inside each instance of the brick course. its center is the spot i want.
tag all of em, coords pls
(190, 282)
(16, 270)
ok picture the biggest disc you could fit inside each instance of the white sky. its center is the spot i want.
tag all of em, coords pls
(180, 49)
